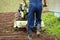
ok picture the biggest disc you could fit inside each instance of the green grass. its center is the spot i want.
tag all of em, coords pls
(52, 24)
(9, 5)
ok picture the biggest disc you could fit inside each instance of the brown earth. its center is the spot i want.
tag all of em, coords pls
(7, 31)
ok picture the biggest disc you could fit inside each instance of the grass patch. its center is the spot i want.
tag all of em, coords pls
(52, 24)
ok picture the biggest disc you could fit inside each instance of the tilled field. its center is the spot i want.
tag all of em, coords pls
(7, 31)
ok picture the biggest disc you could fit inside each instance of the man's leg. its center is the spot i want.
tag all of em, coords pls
(30, 20)
(38, 19)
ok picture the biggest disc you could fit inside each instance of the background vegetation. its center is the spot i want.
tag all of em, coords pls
(52, 24)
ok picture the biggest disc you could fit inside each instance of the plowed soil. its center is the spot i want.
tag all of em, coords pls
(7, 31)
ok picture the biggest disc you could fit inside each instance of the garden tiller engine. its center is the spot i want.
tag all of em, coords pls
(20, 19)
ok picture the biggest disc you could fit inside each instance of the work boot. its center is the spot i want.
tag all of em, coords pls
(38, 29)
(34, 29)
(29, 37)
(30, 34)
